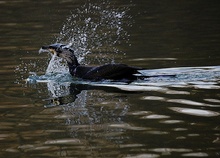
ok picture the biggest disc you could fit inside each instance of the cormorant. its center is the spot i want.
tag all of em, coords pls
(115, 72)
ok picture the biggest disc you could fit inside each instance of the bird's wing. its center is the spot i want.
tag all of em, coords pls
(111, 71)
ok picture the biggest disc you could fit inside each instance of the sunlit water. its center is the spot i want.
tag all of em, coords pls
(45, 112)
(167, 111)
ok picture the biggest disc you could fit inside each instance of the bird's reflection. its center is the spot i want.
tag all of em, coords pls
(84, 104)
(67, 93)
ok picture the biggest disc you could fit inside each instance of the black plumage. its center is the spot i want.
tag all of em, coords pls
(116, 72)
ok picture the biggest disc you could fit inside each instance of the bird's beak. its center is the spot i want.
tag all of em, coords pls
(44, 49)
(47, 49)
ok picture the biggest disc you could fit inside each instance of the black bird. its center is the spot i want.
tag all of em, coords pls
(115, 72)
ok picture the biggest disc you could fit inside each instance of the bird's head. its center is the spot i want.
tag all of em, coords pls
(62, 51)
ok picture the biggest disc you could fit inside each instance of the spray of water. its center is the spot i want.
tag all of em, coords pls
(56, 65)
(96, 28)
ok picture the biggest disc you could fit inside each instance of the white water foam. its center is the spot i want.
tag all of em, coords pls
(57, 65)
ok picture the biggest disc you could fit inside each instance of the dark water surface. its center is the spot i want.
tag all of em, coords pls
(53, 115)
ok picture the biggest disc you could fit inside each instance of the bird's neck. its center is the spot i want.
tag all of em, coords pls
(72, 64)
(72, 60)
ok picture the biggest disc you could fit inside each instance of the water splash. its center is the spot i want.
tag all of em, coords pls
(57, 65)
(30, 66)
(92, 29)
(199, 77)
(63, 85)
(96, 28)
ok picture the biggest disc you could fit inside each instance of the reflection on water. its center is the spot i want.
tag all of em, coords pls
(196, 112)
(103, 113)
(55, 115)
(62, 85)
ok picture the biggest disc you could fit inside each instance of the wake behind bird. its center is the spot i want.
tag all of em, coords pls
(204, 77)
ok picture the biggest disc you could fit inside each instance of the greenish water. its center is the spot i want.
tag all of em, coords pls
(56, 116)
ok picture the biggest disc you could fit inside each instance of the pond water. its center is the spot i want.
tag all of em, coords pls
(46, 113)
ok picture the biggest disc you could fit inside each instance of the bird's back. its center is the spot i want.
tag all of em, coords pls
(107, 71)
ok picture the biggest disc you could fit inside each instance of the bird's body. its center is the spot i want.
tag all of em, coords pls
(108, 71)
(115, 72)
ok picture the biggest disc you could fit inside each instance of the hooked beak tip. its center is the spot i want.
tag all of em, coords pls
(43, 50)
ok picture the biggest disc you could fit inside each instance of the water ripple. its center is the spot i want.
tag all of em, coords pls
(195, 154)
(195, 112)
